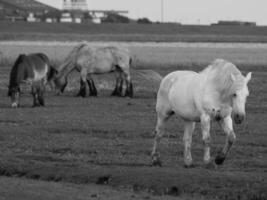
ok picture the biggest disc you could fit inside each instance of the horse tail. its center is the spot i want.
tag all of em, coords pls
(132, 63)
(52, 72)
(14, 69)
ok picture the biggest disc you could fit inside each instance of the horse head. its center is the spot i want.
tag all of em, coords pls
(51, 76)
(14, 94)
(16, 76)
(239, 97)
(60, 83)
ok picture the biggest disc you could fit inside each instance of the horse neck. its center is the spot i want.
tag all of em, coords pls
(210, 87)
(65, 69)
(17, 75)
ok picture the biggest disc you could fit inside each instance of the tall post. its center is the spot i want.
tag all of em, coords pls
(162, 11)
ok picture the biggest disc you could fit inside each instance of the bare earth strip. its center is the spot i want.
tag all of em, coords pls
(26, 189)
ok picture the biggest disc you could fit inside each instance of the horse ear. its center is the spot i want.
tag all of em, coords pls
(233, 78)
(248, 77)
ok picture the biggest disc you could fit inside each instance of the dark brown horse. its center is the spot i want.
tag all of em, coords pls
(34, 69)
(90, 60)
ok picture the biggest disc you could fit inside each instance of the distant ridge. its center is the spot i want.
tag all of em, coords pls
(27, 5)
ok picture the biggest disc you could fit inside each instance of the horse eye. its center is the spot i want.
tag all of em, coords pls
(234, 95)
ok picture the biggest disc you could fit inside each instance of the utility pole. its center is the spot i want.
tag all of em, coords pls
(162, 11)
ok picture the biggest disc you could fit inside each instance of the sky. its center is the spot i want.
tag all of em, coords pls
(184, 11)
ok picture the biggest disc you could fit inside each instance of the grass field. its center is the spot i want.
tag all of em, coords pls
(85, 141)
(130, 32)
(107, 141)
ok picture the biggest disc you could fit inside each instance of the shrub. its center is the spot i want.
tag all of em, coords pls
(144, 21)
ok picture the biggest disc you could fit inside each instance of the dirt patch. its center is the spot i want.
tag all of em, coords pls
(25, 189)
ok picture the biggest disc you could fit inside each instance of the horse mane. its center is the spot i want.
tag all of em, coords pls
(220, 73)
(52, 72)
(43, 57)
(70, 60)
(14, 70)
(72, 56)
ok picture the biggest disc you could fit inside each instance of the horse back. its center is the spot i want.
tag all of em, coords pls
(35, 66)
(38, 62)
(122, 57)
(171, 79)
(176, 93)
(118, 57)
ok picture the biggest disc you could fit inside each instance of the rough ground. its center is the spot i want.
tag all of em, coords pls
(107, 141)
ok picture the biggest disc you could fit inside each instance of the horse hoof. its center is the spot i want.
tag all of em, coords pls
(42, 103)
(14, 105)
(191, 165)
(210, 165)
(81, 95)
(220, 159)
(130, 95)
(156, 163)
(116, 94)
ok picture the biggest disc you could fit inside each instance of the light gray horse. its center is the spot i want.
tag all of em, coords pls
(215, 93)
(90, 60)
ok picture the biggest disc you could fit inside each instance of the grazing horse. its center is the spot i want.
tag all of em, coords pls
(89, 60)
(215, 94)
(34, 69)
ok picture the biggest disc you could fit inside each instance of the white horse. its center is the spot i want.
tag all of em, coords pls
(215, 93)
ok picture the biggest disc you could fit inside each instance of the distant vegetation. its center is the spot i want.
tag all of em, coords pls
(144, 21)
(115, 18)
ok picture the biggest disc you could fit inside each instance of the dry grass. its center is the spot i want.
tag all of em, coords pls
(153, 55)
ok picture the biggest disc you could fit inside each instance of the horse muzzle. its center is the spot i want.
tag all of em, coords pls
(14, 105)
(239, 118)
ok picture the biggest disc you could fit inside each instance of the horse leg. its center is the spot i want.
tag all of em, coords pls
(159, 132)
(227, 126)
(188, 132)
(41, 94)
(118, 87)
(129, 86)
(82, 91)
(205, 126)
(35, 96)
(92, 88)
